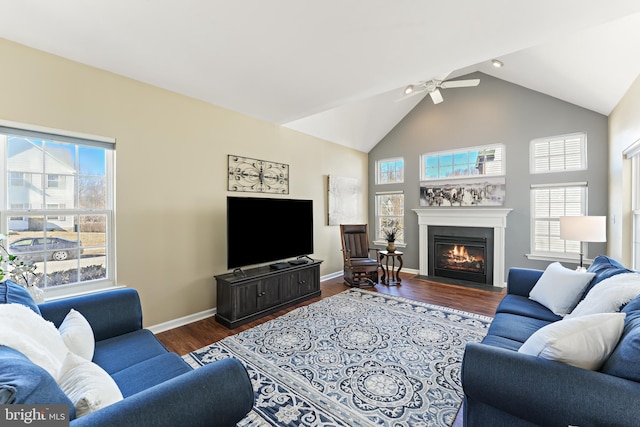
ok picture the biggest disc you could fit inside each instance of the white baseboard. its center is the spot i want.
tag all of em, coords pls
(181, 321)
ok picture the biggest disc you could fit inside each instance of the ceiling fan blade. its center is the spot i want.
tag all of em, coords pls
(436, 96)
(460, 83)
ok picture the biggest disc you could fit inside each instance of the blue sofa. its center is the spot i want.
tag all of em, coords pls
(503, 387)
(158, 387)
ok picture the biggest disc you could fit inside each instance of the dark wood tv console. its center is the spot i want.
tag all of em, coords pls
(247, 295)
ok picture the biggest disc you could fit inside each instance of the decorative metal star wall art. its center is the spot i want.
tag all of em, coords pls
(258, 176)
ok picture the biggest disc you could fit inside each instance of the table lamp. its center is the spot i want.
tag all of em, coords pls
(583, 229)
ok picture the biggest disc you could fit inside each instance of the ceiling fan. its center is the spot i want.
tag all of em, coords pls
(433, 87)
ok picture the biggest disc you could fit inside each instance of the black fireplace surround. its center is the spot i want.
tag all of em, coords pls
(461, 253)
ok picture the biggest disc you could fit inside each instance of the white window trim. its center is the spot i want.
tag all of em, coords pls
(424, 178)
(58, 292)
(399, 244)
(632, 152)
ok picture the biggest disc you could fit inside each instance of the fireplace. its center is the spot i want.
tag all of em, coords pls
(462, 253)
(493, 219)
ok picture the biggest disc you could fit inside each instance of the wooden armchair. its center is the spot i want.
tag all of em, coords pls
(360, 270)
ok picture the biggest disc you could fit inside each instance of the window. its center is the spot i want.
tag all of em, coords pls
(16, 179)
(548, 204)
(559, 153)
(390, 171)
(61, 217)
(53, 181)
(487, 161)
(389, 214)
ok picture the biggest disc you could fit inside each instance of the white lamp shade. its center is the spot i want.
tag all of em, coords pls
(583, 228)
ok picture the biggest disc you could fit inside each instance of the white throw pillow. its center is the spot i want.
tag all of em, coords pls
(87, 385)
(585, 341)
(77, 334)
(559, 288)
(609, 295)
(38, 339)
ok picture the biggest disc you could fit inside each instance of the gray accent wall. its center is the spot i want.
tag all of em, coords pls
(496, 111)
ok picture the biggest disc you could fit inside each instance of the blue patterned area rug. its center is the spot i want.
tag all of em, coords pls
(358, 358)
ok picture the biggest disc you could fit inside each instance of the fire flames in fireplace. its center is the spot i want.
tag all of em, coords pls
(461, 258)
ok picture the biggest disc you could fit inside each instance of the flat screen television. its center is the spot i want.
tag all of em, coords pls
(261, 230)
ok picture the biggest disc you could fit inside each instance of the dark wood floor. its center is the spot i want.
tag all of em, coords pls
(196, 335)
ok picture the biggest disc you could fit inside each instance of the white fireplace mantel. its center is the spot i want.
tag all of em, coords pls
(495, 218)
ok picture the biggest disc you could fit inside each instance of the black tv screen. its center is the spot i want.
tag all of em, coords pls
(261, 230)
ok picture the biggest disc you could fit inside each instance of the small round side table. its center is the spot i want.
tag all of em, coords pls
(390, 277)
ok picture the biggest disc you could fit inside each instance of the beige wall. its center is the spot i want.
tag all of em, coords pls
(171, 171)
(624, 130)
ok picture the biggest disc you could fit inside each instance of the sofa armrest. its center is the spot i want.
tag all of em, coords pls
(520, 281)
(218, 394)
(110, 313)
(545, 392)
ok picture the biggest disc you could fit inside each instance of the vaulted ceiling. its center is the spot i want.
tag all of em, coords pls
(335, 69)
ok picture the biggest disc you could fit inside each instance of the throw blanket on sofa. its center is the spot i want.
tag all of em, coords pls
(38, 339)
(609, 295)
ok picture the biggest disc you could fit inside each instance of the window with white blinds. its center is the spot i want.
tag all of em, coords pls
(548, 204)
(559, 153)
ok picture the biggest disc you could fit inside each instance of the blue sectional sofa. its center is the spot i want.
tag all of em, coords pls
(505, 387)
(158, 387)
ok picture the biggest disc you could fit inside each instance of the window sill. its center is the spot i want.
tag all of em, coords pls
(61, 292)
(559, 258)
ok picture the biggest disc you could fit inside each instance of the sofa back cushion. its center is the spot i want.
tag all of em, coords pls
(11, 292)
(624, 362)
(604, 267)
(22, 381)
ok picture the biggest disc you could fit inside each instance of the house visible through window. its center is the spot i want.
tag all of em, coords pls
(390, 171)
(486, 160)
(390, 214)
(63, 219)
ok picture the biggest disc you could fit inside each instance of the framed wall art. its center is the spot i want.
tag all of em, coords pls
(344, 193)
(257, 176)
(480, 191)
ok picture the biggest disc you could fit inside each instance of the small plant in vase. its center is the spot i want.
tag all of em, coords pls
(19, 271)
(390, 234)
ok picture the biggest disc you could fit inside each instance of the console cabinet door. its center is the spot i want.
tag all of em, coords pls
(245, 300)
(269, 292)
(306, 281)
